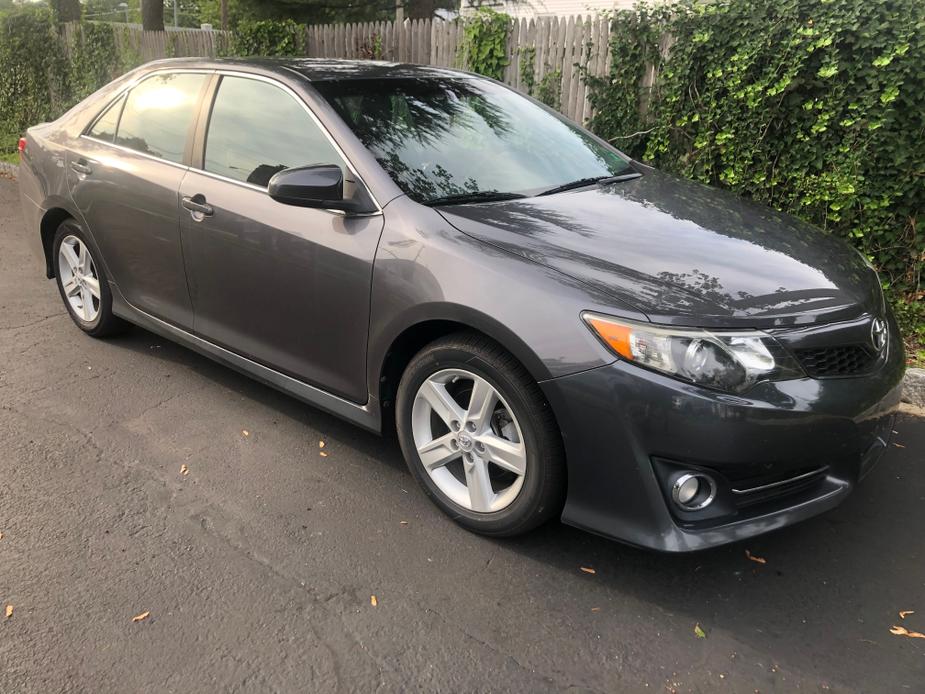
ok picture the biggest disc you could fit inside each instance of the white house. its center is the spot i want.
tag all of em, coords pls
(545, 8)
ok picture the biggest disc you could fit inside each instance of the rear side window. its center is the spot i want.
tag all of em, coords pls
(257, 129)
(105, 126)
(158, 113)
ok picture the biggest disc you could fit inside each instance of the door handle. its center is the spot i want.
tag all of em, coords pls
(197, 206)
(82, 167)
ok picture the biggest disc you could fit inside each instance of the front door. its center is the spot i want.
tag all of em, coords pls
(124, 174)
(287, 287)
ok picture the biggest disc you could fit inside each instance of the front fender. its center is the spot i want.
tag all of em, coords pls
(426, 270)
(419, 314)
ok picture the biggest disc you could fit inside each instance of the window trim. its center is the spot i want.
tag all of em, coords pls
(202, 134)
(201, 124)
(123, 97)
(124, 92)
(185, 158)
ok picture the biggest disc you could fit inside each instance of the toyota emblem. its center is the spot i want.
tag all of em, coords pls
(878, 332)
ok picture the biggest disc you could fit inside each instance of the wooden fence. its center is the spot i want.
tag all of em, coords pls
(136, 46)
(543, 51)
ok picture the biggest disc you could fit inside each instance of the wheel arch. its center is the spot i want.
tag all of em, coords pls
(51, 220)
(390, 355)
(58, 210)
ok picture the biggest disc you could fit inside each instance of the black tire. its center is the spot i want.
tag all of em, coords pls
(105, 323)
(544, 484)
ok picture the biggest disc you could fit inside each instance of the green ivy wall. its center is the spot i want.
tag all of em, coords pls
(815, 107)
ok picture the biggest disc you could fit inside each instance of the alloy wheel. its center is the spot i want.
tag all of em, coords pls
(79, 278)
(469, 440)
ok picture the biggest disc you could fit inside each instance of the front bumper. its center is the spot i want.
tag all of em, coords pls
(625, 428)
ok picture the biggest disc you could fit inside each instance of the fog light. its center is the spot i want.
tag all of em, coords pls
(687, 489)
(693, 491)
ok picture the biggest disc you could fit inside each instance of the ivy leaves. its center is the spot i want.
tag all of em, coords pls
(93, 60)
(267, 37)
(814, 107)
(34, 72)
(484, 45)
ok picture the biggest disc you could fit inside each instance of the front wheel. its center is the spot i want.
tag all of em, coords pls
(479, 437)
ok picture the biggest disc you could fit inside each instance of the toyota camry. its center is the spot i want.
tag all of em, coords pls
(551, 328)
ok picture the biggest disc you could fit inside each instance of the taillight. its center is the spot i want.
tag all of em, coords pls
(22, 146)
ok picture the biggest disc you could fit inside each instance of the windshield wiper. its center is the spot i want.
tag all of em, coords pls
(476, 196)
(601, 180)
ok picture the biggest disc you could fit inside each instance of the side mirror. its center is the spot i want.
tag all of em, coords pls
(320, 186)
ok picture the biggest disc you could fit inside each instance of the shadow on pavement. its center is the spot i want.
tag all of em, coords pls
(140, 341)
(834, 582)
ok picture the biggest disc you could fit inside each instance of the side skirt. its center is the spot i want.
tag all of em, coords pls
(368, 416)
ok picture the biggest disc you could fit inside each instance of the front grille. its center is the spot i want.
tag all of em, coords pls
(830, 362)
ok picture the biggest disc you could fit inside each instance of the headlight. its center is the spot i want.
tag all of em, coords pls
(727, 360)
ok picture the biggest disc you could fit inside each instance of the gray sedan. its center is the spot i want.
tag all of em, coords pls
(551, 328)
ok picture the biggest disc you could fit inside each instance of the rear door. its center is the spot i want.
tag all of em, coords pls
(287, 287)
(124, 174)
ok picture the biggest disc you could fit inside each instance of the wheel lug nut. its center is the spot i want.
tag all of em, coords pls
(455, 425)
(470, 426)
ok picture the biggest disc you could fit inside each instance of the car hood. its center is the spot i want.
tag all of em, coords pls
(682, 253)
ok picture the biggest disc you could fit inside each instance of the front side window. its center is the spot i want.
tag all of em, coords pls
(158, 114)
(439, 137)
(256, 129)
(105, 127)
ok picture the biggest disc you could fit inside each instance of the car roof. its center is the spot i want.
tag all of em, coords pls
(320, 69)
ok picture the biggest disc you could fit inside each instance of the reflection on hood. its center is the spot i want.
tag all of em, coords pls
(682, 252)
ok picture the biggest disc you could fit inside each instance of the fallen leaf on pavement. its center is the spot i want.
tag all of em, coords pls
(373, 601)
(595, 609)
(9, 611)
(323, 454)
(759, 560)
(245, 433)
(902, 613)
(321, 444)
(902, 631)
(1, 534)
(899, 445)
(141, 617)
(587, 570)
(184, 470)
(403, 522)
(698, 632)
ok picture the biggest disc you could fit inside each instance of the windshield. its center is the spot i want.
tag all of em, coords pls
(447, 137)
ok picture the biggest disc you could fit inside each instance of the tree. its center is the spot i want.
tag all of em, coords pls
(317, 11)
(66, 10)
(425, 9)
(152, 15)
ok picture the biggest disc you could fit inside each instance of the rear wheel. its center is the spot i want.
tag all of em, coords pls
(479, 437)
(82, 283)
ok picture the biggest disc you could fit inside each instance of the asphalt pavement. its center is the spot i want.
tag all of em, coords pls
(258, 566)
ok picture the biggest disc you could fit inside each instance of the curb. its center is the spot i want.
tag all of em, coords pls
(914, 387)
